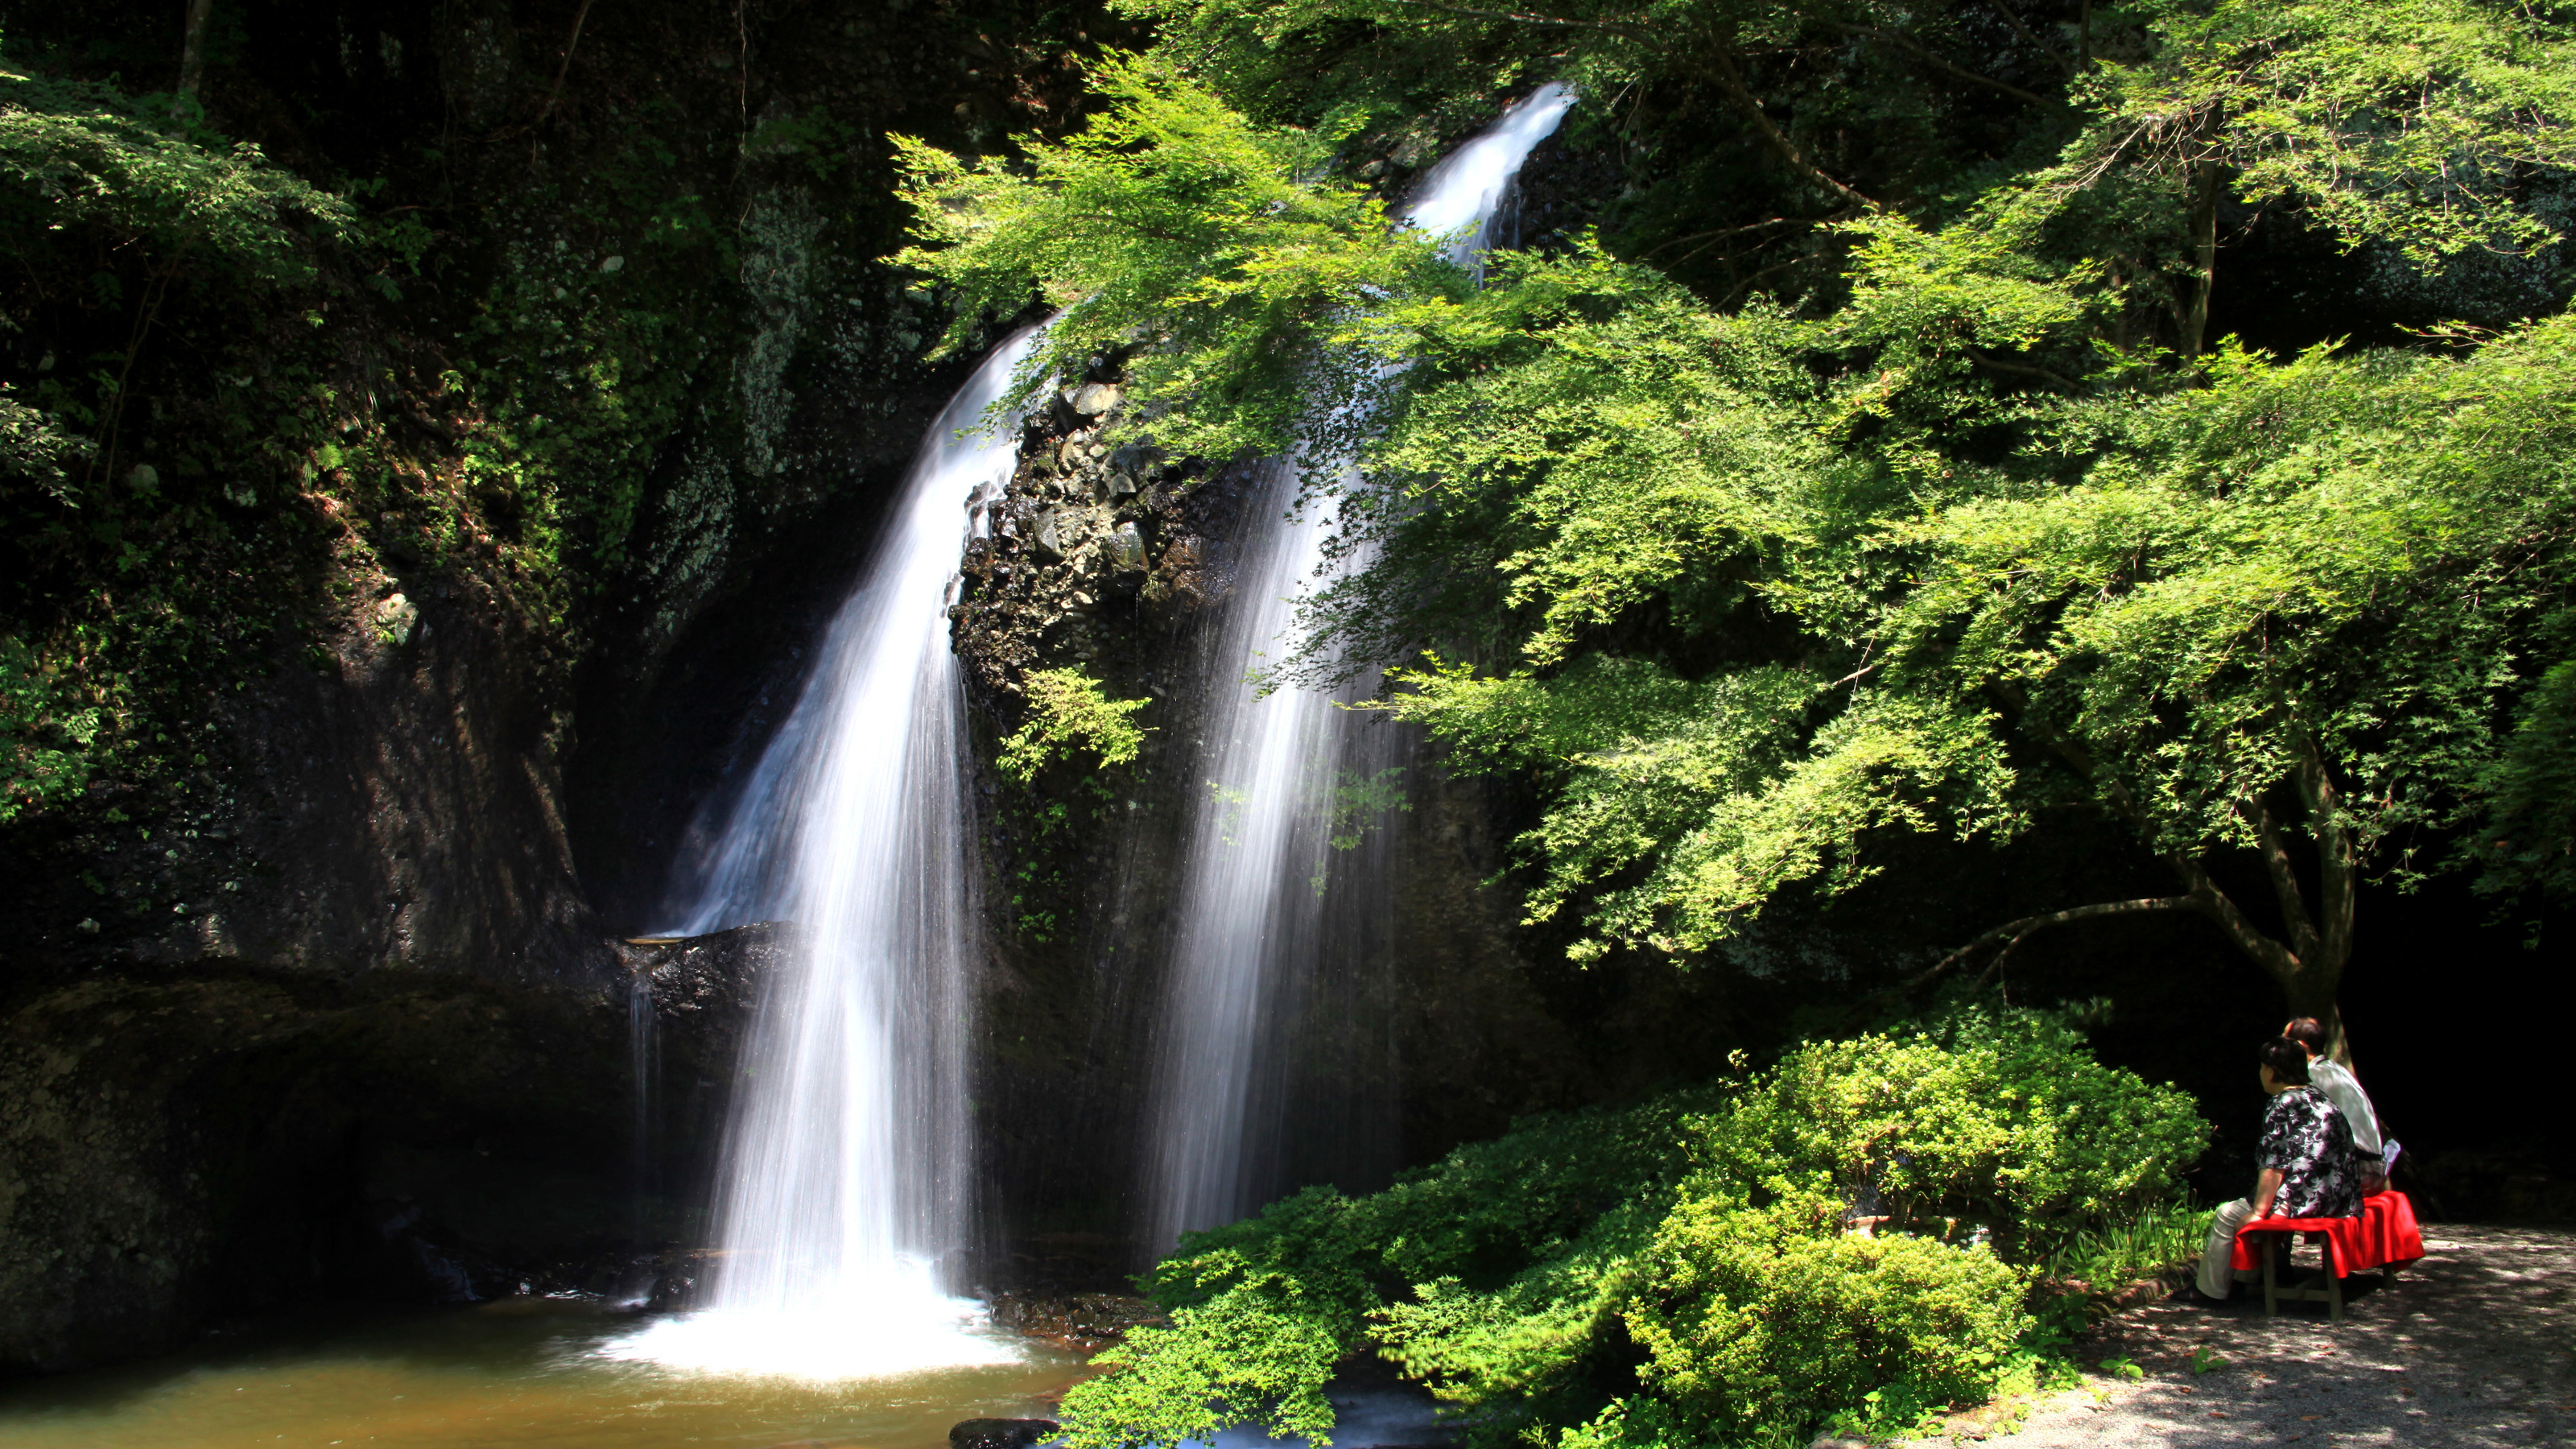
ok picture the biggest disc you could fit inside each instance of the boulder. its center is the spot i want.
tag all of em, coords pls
(1127, 549)
(1000, 1433)
(1094, 398)
(1049, 538)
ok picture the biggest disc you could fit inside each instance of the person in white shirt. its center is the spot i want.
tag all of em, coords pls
(2374, 1153)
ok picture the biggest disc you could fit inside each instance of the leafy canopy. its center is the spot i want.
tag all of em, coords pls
(81, 153)
(1229, 250)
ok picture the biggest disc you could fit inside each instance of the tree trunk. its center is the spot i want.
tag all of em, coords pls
(192, 49)
(2317, 999)
(2204, 241)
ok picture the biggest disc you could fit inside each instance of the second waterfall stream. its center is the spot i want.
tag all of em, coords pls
(1263, 914)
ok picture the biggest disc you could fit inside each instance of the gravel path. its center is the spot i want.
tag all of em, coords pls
(2476, 1345)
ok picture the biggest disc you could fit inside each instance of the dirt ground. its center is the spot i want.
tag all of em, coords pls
(2476, 1345)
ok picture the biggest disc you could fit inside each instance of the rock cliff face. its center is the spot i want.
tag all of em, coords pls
(392, 796)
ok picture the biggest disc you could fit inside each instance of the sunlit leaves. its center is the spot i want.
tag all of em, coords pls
(2406, 121)
(88, 154)
(1068, 715)
(1224, 249)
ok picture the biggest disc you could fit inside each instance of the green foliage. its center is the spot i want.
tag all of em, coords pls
(1230, 249)
(1361, 803)
(2410, 122)
(2181, 596)
(1678, 1272)
(1067, 712)
(1759, 1317)
(43, 738)
(234, 429)
(145, 170)
(2127, 1246)
(34, 449)
(2523, 826)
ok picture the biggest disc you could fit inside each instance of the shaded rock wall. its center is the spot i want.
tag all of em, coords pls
(186, 1143)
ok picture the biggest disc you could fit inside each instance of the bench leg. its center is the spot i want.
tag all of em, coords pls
(2334, 1294)
(2271, 1284)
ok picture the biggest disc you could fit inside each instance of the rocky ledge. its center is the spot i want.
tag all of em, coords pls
(184, 1143)
(1097, 538)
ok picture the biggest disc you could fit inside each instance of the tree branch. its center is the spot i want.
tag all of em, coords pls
(1520, 17)
(2058, 58)
(2278, 960)
(2024, 369)
(2338, 857)
(1907, 42)
(192, 48)
(2285, 878)
(2204, 236)
(1731, 80)
(565, 69)
(2012, 933)
(2203, 892)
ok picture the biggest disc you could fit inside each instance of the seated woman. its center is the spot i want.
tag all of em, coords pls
(2371, 1157)
(2306, 1160)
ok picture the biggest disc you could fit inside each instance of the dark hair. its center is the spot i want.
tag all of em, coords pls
(2308, 1032)
(2288, 1063)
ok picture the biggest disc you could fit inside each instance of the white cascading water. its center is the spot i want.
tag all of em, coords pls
(1253, 916)
(845, 1188)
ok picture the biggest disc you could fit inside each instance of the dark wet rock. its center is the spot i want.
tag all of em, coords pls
(1068, 551)
(1127, 549)
(999, 1433)
(186, 1142)
(1083, 1322)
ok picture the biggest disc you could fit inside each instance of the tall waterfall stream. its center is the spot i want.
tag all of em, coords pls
(844, 1194)
(1266, 907)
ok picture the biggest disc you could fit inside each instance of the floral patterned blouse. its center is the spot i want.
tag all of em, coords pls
(2305, 1136)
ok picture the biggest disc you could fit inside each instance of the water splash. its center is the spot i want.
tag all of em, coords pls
(844, 1196)
(1272, 926)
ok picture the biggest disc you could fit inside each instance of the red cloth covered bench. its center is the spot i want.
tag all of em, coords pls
(2384, 1236)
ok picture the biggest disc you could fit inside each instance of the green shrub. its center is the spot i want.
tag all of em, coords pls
(1997, 1121)
(1758, 1321)
(1067, 711)
(1680, 1272)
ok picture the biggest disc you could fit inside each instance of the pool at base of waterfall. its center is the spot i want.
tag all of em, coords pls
(520, 1371)
(562, 1373)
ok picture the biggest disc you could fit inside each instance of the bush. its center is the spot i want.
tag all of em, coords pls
(1068, 712)
(2001, 1121)
(1680, 1272)
(1756, 1321)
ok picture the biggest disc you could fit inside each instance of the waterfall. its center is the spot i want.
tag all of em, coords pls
(1269, 919)
(844, 1192)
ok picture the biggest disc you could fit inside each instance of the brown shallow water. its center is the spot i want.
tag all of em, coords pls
(512, 1373)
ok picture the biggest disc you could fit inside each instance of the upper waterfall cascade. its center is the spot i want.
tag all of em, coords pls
(1264, 908)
